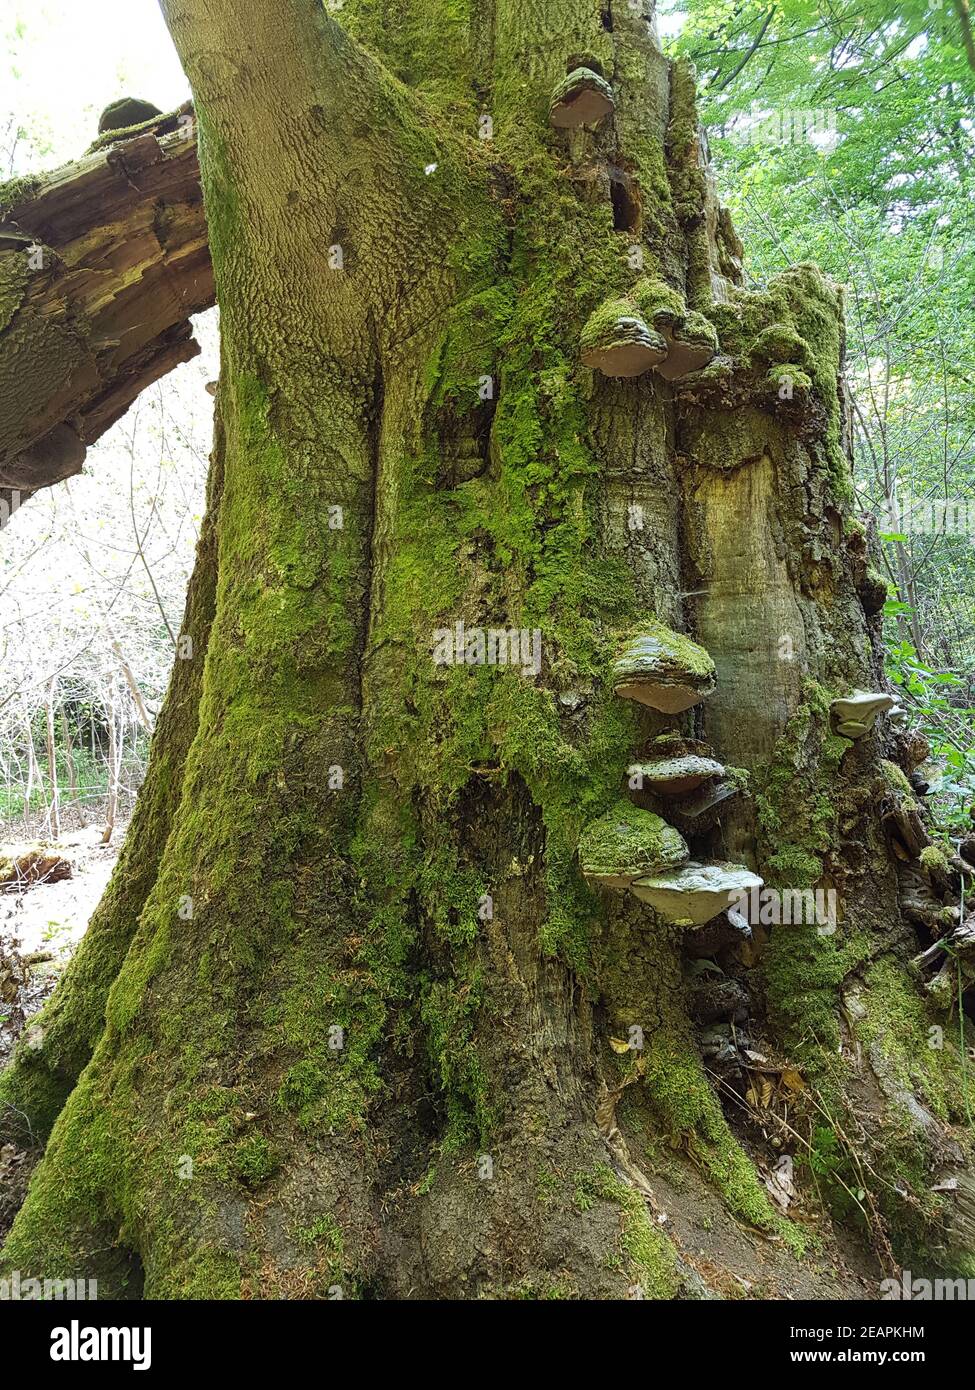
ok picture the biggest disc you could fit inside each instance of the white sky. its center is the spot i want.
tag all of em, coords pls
(63, 61)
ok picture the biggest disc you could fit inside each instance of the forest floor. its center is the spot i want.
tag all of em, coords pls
(41, 924)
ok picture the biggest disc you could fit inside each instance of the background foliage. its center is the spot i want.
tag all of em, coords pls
(842, 134)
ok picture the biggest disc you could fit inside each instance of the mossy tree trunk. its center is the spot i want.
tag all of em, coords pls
(360, 1028)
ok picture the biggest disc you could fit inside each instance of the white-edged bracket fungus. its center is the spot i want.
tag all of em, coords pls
(618, 342)
(628, 842)
(855, 716)
(899, 716)
(662, 669)
(648, 329)
(695, 893)
(676, 773)
(581, 98)
(691, 345)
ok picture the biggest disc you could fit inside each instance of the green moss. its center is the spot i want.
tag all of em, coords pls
(780, 344)
(896, 778)
(795, 799)
(896, 1016)
(933, 859)
(699, 330)
(796, 805)
(19, 190)
(628, 841)
(686, 176)
(659, 302)
(255, 1160)
(653, 647)
(795, 321)
(119, 133)
(648, 1256)
(606, 325)
(641, 978)
(788, 376)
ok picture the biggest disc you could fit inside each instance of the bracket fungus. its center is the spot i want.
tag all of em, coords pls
(676, 766)
(626, 843)
(649, 328)
(855, 716)
(700, 811)
(691, 345)
(662, 669)
(695, 893)
(618, 342)
(581, 98)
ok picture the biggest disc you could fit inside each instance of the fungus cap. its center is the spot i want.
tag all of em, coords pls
(678, 774)
(855, 716)
(626, 843)
(581, 98)
(662, 669)
(695, 893)
(618, 342)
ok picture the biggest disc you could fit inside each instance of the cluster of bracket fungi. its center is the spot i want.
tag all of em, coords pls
(634, 850)
(637, 851)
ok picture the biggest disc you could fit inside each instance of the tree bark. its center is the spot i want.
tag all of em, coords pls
(374, 1034)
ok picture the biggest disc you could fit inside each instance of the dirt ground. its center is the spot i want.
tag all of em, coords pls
(41, 923)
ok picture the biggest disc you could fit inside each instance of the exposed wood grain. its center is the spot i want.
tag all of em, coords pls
(102, 263)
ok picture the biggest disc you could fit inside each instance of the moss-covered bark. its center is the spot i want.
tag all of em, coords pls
(374, 1031)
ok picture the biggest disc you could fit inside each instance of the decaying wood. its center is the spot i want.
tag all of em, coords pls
(102, 263)
(39, 865)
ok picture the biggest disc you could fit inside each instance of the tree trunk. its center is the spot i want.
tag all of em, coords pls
(68, 745)
(368, 1030)
(54, 810)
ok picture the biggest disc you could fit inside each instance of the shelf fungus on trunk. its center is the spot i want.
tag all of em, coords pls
(692, 344)
(581, 98)
(702, 809)
(618, 342)
(626, 843)
(695, 893)
(855, 716)
(675, 766)
(662, 669)
(648, 329)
